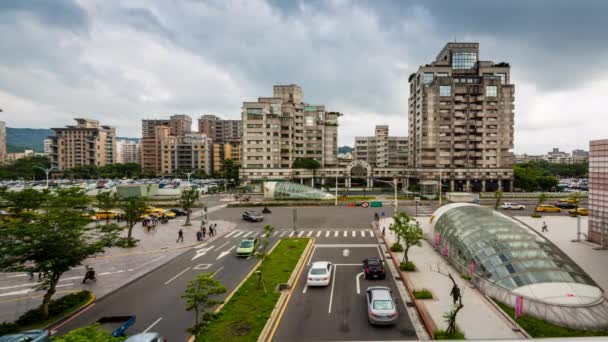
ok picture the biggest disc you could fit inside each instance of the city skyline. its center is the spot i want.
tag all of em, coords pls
(70, 60)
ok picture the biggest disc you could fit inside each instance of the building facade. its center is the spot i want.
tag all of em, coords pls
(185, 153)
(461, 117)
(598, 192)
(229, 150)
(280, 129)
(220, 130)
(47, 146)
(382, 150)
(2, 140)
(11, 157)
(86, 143)
(128, 151)
(155, 130)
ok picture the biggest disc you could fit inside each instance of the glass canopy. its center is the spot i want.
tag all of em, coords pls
(288, 190)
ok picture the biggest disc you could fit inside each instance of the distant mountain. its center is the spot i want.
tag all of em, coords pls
(345, 149)
(19, 139)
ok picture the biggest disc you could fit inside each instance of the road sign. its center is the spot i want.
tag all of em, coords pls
(382, 214)
(365, 204)
(417, 199)
(345, 252)
(376, 204)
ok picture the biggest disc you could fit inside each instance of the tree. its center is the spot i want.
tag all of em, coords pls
(541, 199)
(133, 208)
(575, 197)
(229, 169)
(187, 201)
(498, 195)
(107, 201)
(408, 230)
(307, 163)
(199, 297)
(56, 241)
(24, 203)
(262, 253)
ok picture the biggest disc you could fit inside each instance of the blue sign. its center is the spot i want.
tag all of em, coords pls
(382, 214)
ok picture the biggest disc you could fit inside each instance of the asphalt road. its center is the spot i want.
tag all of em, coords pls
(338, 312)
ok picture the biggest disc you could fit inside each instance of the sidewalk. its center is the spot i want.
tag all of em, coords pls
(114, 269)
(478, 319)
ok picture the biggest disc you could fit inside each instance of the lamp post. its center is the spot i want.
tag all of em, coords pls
(47, 172)
(188, 174)
(336, 204)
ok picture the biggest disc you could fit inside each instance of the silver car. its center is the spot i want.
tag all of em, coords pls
(381, 305)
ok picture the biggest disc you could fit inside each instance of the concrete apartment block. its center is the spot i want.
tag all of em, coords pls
(185, 153)
(598, 192)
(382, 150)
(177, 125)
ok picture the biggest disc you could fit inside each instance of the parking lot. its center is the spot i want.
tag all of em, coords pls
(339, 311)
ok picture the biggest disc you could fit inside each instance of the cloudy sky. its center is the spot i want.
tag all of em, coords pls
(121, 61)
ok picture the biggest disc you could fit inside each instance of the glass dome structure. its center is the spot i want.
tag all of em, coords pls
(288, 190)
(511, 255)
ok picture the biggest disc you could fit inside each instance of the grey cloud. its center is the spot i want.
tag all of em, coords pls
(62, 13)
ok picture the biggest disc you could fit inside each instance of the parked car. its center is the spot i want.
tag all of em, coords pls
(547, 208)
(146, 337)
(27, 336)
(319, 274)
(169, 214)
(373, 268)
(252, 216)
(381, 305)
(512, 206)
(103, 215)
(247, 247)
(580, 211)
(178, 212)
(565, 205)
(568, 200)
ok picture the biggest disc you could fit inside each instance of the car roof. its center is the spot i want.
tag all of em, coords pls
(380, 292)
(143, 337)
(249, 239)
(320, 264)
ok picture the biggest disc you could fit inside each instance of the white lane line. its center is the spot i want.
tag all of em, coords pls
(153, 324)
(291, 234)
(309, 233)
(354, 233)
(238, 234)
(380, 253)
(311, 254)
(345, 233)
(216, 272)
(246, 235)
(224, 253)
(283, 234)
(305, 288)
(275, 233)
(231, 233)
(300, 234)
(227, 242)
(331, 294)
(327, 233)
(179, 274)
(357, 277)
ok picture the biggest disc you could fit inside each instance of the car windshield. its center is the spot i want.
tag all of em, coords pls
(373, 262)
(383, 304)
(318, 271)
(246, 244)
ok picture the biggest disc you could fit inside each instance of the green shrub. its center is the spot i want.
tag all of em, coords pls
(465, 277)
(8, 328)
(422, 294)
(573, 215)
(57, 308)
(536, 215)
(396, 247)
(88, 333)
(407, 266)
(441, 335)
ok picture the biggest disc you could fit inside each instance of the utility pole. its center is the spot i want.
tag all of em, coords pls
(395, 185)
(47, 172)
(336, 204)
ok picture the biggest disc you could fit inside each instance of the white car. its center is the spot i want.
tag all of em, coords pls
(513, 206)
(319, 274)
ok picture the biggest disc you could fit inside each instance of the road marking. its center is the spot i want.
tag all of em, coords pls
(309, 233)
(331, 294)
(26, 291)
(318, 233)
(153, 324)
(283, 234)
(336, 233)
(345, 233)
(275, 233)
(179, 274)
(311, 254)
(300, 234)
(345, 252)
(380, 253)
(305, 288)
(201, 252)
(238, 234)
(357, 277)
(363, 233)
(246, 235)
(225, 243)
(354, 233)
(223, 254)
(202, 267)
(216, 272)
(292, 233)
(327, 233)
(371, 233)
(230, 234)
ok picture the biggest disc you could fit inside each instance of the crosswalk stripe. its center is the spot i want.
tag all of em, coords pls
(231, 233)
(309, 233)
(291, 234)
(300, 234)
(371, 233)
(275, 233)
(318, 233)
(327, 233)
(238, 234)
(345, 233)
(362, 233)
(354, 233)
(336, 233)
(283, 234)
(246, 235)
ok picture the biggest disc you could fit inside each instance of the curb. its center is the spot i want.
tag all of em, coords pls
(67, 317)
(277, 313)
(507, 317)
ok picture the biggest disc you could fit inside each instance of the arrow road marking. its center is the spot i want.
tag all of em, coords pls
(345, 252)
(223, 254)
(201, 267)
(201, 252)
(179, 274)
(357, 277)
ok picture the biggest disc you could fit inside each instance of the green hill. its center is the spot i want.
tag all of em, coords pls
(19, 139)
(345, 149)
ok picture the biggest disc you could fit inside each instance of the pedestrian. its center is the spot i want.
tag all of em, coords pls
(199, 235)
(383, 230)
(545, 227)
(180, 236)
(211, 230)
(204, 230)
(144, 222)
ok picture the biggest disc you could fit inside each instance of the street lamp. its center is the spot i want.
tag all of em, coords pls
(46, 171)
(336, 203)
(189, 173)
(394, 185)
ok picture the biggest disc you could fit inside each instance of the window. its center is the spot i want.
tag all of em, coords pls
(464, 60)
(503, 78)
(442, 74)
(491, 91)
(310, 121)
(428, 77)
(445, 91)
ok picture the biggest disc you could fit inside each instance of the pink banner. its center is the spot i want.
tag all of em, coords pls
(446, 250)
(437, 237)
(519, 306)
(472, 269)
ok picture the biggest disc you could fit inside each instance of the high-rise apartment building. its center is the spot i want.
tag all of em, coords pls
(382, 150)
(461, 112)
(47, 146)
(280, 129)
(191, 151)
(229, 150)
(2, 140)
(87, 143)
(220, 130)
(128, 151)
(152, 132)
(598, 192)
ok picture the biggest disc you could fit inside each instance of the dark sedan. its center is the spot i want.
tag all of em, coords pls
(373, 268)
(252, 216)
(178, 212)
(565, 205)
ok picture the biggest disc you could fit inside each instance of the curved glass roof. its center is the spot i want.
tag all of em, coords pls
(506, 252)
(288, 190)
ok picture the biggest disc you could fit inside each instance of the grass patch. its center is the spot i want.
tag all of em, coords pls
(441, 335)
(422, 294)
(57, 309)
(245, 314)
(407, 266)
(538, 328)
(465, 277)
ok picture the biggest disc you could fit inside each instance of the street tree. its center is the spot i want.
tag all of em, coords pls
(575, 198)
(262, 253)
(54, 242)
(308, 164)
(408, 230)
(498, 196)
(133, 209)
(23, 203)
(200, 296)
(106, 201)
(187, 201)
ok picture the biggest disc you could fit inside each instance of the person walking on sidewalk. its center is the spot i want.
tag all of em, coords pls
(544, 229)
(204, 230)
(180, 236)
(199, 235)
(211, 231)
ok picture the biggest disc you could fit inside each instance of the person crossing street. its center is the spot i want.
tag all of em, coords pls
(180, 236)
